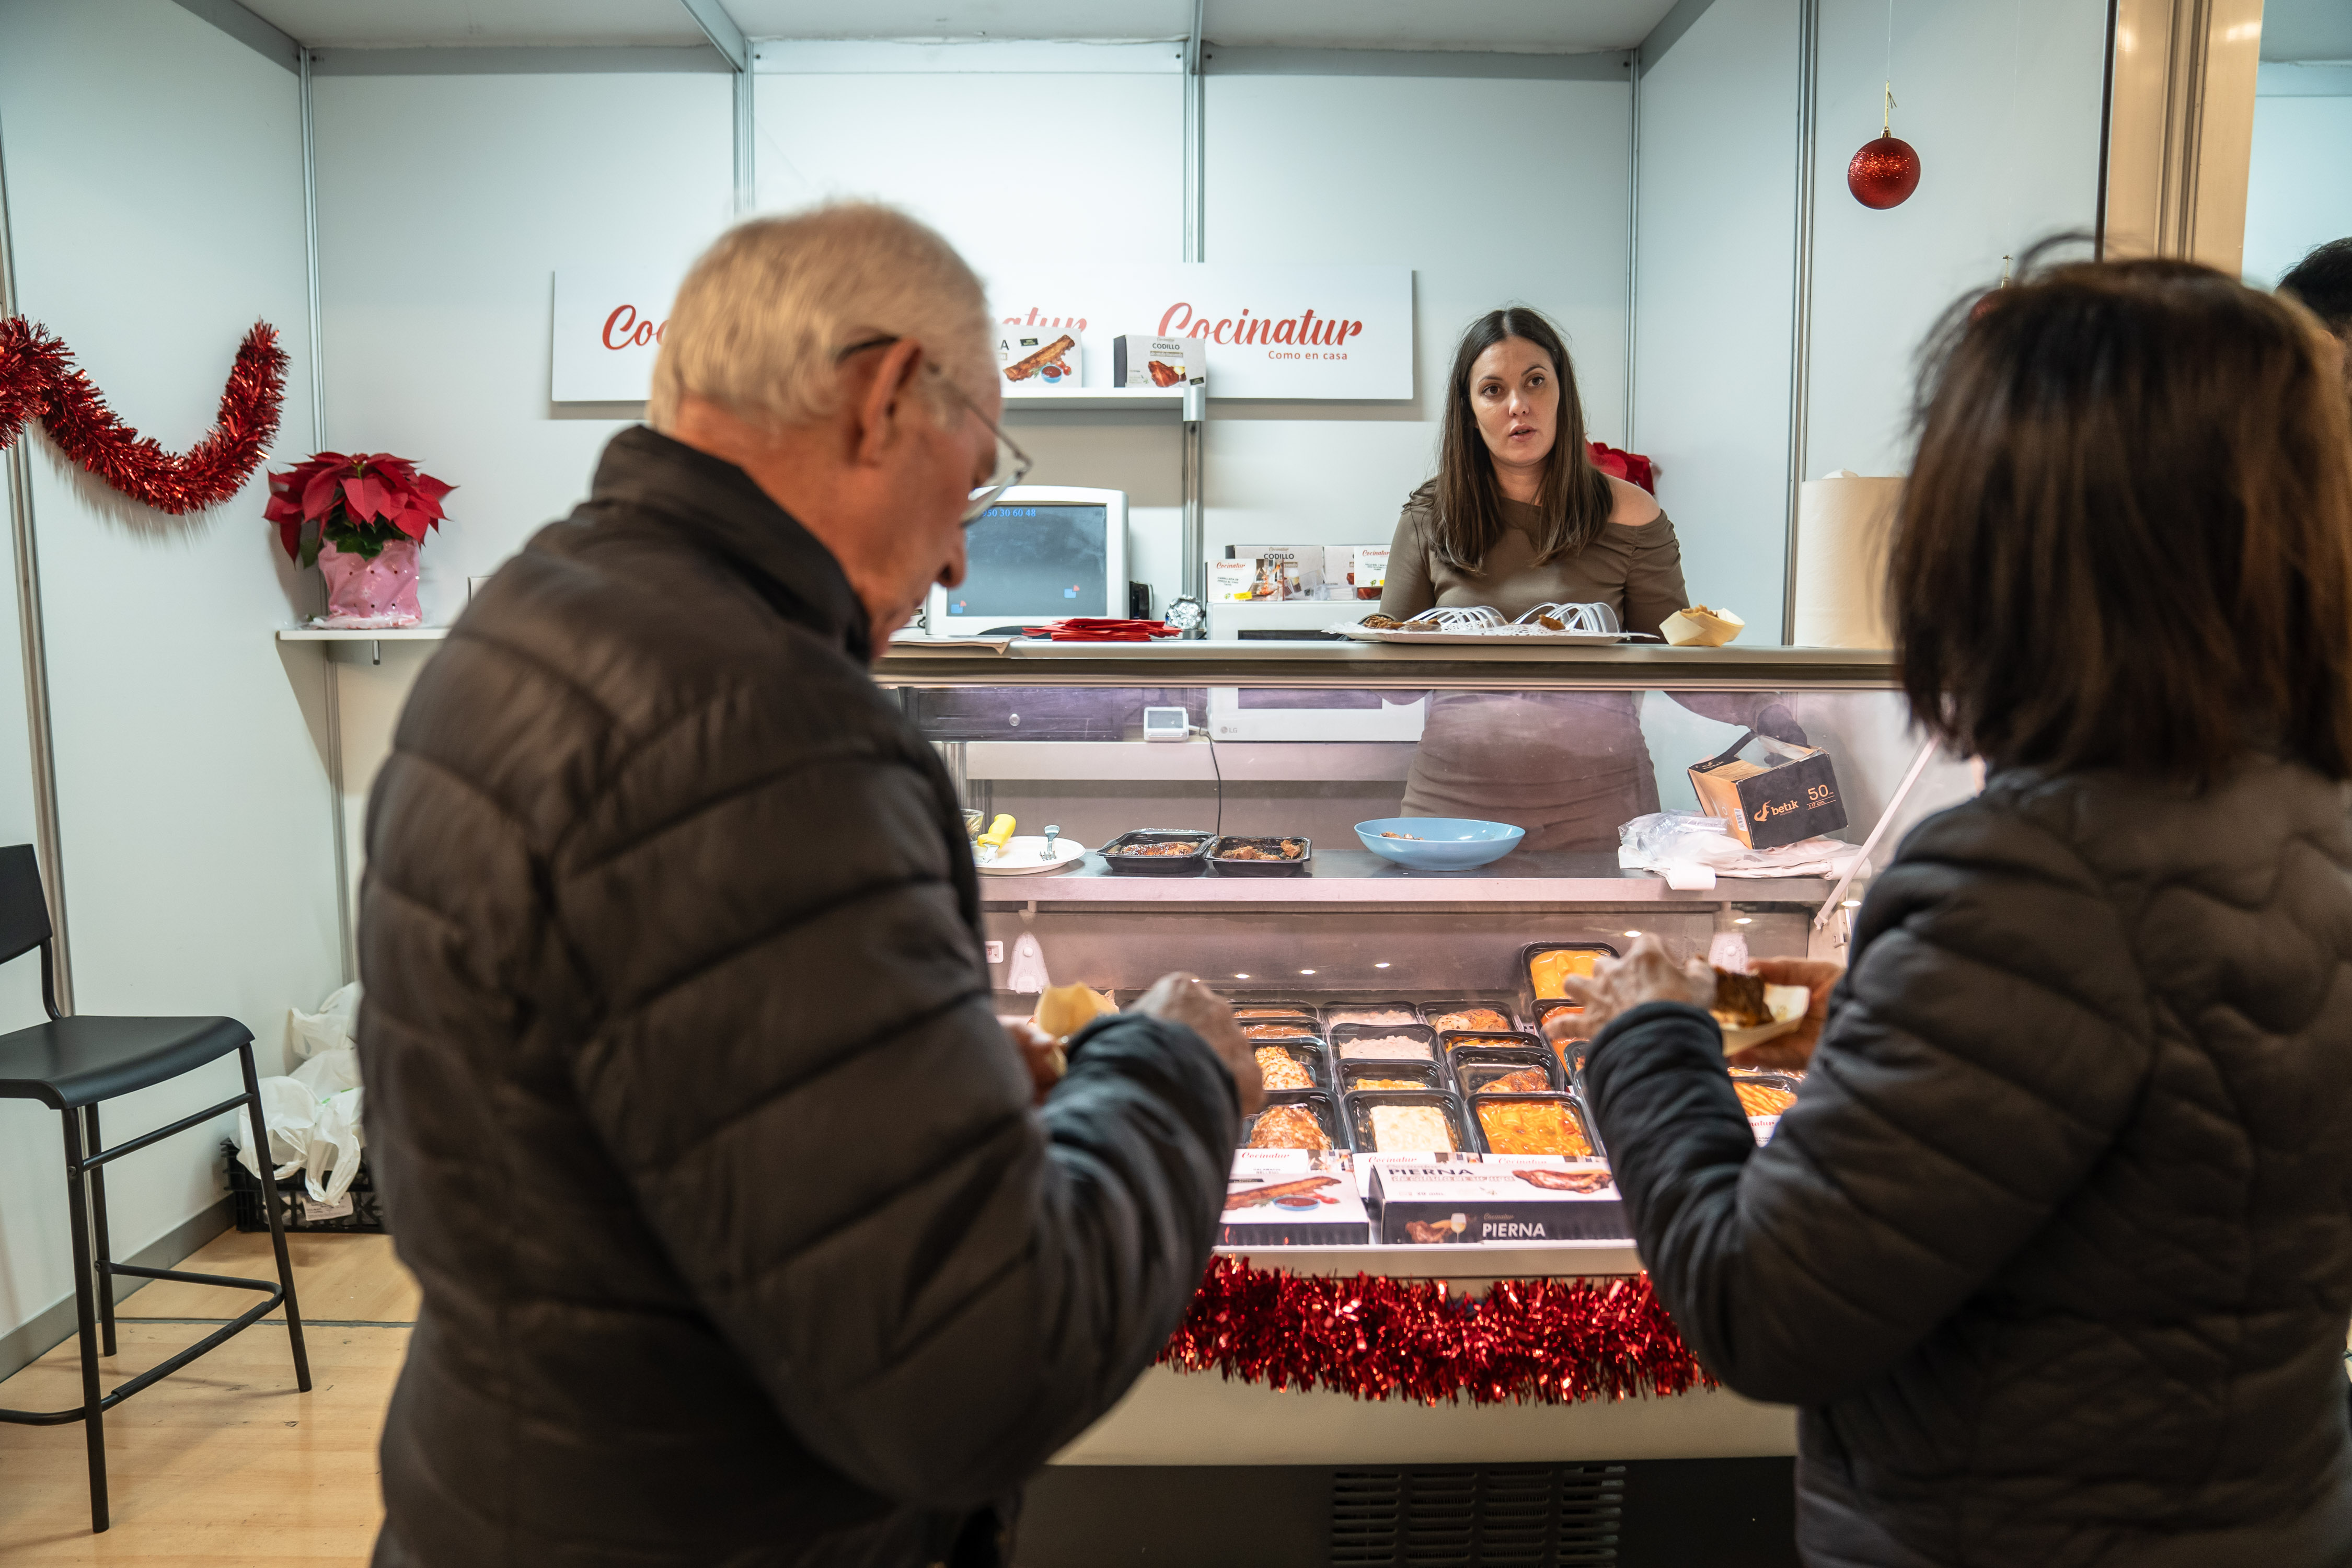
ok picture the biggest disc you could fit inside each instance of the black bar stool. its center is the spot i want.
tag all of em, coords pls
(71, 1065)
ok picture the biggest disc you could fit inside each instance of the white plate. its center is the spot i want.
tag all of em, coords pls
(1498, 634)
(1025, 856)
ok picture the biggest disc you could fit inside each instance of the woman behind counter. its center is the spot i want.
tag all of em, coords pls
(1518, 516)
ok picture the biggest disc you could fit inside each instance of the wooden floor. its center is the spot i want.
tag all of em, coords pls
(222, 1462)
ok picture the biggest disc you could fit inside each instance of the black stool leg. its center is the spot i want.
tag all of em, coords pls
(277, 1222)
(105, 1246)
(86, 1317)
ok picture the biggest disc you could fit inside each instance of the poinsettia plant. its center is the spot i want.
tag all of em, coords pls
(358, 502)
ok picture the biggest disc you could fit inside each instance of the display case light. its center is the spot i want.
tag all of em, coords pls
(1379, 967)
(1741, 920)
(1306, 972)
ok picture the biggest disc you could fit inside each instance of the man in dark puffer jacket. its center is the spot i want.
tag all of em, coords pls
(2055, 1246)
(739, 1238)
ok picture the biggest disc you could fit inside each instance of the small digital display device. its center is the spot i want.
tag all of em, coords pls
(1166, 724)
(1041, 554)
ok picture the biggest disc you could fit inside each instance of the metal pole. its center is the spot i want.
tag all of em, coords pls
(39, 734)
(1632, 226)
(1195, 531)
(747, 186)
(346, 939)
(1801, 318)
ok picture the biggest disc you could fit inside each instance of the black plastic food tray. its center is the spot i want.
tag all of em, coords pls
(1285, 868)
(1575, 1111)
(1347, 1034)
(1480, 1061)
(1435, 1007)
(1125, 864)
(1524, 984)
(1358, 1119)
(1316, 1104)
(1427, 1075)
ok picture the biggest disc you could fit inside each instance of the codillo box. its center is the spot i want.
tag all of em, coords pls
(1790, 795)
(1293, 1197)
(1137, 361)
(1471, 1197)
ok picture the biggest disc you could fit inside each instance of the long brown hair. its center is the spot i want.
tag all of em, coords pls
(1572, 498)
(2127, 540)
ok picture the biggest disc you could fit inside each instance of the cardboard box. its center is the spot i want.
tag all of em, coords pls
(1293, 1197)
(1298, 567)
(1787, 793)
(1229, 581)
(1039, 356)
(1495, 1197)
(1159, 363)
(1368, 572)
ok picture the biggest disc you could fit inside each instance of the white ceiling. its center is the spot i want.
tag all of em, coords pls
(1516, 26)
(2307, 30)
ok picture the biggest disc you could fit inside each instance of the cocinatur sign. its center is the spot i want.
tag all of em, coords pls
(1338, 333)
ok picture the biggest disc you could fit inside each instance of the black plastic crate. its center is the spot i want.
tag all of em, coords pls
(366, 1217)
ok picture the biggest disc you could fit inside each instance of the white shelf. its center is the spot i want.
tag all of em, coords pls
(338, 634)
(1095, 397)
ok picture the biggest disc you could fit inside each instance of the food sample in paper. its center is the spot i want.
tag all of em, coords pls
(1282, 1071)
(1479, 1020)
(1762, 1099)
(1532, 1127)
(1373, 1016)
(1411, 1129)
(1288, 1127)
(1385, 1048)
(1547, 970)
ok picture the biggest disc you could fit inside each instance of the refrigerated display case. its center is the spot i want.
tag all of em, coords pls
(1227, 1470)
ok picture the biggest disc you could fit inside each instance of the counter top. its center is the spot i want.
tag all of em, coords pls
(1643, 666)
(1359, 875)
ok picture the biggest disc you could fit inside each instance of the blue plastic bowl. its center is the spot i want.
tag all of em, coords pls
(1440, 842)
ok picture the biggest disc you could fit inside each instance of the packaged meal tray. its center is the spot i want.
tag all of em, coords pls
(1379, 1075)
(1405, 1121)
(1277, 1010)
(1158, 852)
(1377, 1012)
(1295, 1121)
(1286, 1065)
(1482, 1068)
(1495, 1198)
(1764, 1093)
(1279, 857)
(1544, 1012)
(1476, 1014)
(1293, 1198)
(1372, 1042)
(1532, 1124)
(1543, 964)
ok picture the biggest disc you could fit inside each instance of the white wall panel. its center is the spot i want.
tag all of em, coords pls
(2299, 190)
(446, 203)
(2003, 101)
(155, 185)
(1717, 261)
(1494, 192)
(1013, 168)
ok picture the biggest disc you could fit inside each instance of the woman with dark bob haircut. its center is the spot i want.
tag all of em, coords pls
(2054, 1248)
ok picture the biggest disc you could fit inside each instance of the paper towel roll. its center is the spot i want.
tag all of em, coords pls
(1841, 528)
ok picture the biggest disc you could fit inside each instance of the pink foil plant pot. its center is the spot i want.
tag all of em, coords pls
(360, 518)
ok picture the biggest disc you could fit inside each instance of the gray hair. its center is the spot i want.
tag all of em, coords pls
(761, 319)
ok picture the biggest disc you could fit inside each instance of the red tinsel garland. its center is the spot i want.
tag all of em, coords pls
(1551, 1341)
(39, 381)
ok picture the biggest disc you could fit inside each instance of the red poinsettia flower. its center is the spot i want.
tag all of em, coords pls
(1624, 465)
(359, 501)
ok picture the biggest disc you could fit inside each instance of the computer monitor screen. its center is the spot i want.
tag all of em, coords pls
(1035, 561)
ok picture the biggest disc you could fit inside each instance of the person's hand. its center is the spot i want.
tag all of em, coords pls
(1647, 974)
(1777, 721)
(1182, 999)
(1041, 1052)
(1795, 1049)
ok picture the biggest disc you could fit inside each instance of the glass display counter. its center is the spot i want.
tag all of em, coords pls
(1303, 742)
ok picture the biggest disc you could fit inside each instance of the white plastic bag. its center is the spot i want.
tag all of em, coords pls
(313, 1113)
(334, 1024)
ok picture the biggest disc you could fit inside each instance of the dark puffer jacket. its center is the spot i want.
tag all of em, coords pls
(2055, 1246)
(740, 1240)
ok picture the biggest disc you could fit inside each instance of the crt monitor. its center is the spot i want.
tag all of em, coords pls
(1041, 554)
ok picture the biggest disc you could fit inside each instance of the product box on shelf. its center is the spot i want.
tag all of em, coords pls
(1368, 570)
(1293, 1197)
(1234, 580)
(1495, 1197)
(1139, 361)
(1038, 356)
(1295, 569)
(1788, 797)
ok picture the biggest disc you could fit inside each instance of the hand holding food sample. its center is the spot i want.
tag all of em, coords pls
(1181, 999)
(1646, 973)
(1795, 1049)
(1041, 1052)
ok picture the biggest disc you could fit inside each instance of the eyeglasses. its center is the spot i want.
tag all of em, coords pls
(1012, 464)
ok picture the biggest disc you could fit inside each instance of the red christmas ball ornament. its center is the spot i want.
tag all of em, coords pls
(1883, 173)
